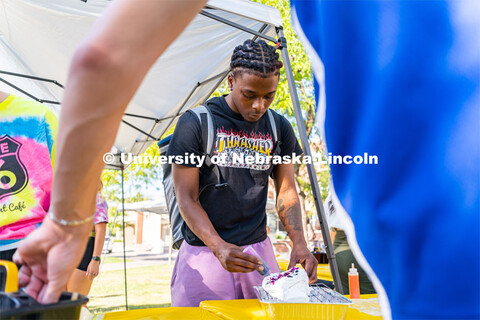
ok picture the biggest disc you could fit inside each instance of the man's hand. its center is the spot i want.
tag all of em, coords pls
(48, 257)
(289, 212)
(301, 254)
(233, 259)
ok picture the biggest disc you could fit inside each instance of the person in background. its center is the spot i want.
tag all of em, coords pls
(89, 268)
(28, 131)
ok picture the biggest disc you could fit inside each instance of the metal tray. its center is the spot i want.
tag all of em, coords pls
(320, 294)
(324, 303)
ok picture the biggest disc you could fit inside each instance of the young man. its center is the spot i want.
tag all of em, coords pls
(27, 145)
(221, 222)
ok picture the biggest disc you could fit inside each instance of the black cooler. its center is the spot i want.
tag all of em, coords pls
(16, 304)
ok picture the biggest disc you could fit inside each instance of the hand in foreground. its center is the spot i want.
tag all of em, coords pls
(301, 254)
(93, 269)
(48, 257)
(233, 259)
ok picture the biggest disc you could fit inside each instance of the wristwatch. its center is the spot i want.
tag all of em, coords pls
(96, 258)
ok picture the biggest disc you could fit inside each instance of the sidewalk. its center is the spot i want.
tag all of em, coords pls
(137, 256)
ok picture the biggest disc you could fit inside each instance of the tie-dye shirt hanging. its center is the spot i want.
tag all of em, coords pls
(27, 146)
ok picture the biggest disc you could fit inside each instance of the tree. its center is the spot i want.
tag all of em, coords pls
(137, 176)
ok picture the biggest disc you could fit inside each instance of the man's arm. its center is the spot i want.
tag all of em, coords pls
(289, 211)
(105, 72)
(186, 181)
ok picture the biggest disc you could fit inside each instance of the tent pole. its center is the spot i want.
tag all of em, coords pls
(31, 77)
(138, 129)
(236, 25)
(221, 75)
(124, 255)
(26, 93)
(180, 109)
(310, 166)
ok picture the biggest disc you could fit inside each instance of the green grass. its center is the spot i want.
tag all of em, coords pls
(109, 259)
(148, 287)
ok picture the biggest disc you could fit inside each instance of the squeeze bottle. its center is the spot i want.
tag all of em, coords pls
(353, 283)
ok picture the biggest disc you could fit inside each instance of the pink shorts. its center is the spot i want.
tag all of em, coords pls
(199, 276)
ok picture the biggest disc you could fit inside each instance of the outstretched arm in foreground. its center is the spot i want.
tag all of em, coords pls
(106, 71)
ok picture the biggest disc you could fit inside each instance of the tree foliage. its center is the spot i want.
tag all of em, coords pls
(138, 177)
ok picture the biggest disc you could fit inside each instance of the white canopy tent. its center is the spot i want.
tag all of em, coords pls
(157, 206)
(45, 33)
(39, 37)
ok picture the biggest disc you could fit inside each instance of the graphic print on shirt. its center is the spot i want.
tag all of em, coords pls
(233, 148)
(13, 174)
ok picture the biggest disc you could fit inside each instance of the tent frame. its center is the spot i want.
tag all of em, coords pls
(310, 167)
(33, 78)
(281, 44)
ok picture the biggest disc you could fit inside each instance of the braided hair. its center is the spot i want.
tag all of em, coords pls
(257, 58)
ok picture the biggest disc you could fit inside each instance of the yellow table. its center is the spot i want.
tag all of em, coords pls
(366, 308)
(235, 309)
(160, 314)
(323, 270)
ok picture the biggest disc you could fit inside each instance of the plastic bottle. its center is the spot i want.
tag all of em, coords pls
(353, 283)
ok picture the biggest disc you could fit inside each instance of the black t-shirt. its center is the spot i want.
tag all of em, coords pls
(237, 211)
